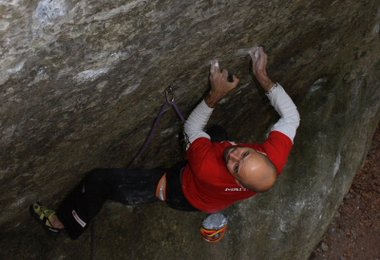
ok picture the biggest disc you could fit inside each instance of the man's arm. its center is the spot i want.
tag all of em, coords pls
(283, 104)
(280, 100)
(198, 119)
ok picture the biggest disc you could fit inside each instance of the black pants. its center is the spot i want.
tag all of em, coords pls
(127, 186)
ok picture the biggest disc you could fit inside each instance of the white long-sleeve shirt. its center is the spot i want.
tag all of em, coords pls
(280, 100)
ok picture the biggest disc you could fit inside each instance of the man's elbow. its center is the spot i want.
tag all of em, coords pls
(297, 119)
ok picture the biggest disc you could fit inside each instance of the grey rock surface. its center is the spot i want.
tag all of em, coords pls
(81, 82)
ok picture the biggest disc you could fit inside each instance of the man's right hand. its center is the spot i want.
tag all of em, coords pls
(220, 86)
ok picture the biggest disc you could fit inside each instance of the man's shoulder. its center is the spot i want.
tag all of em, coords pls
(278, 147)
(279, 138)
(204, 155)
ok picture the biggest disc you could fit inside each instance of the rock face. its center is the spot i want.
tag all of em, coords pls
(81, 82)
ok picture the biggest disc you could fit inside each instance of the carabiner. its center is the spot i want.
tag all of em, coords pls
(169, 94)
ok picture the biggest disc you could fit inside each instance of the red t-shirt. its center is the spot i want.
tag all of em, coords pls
(207, 183)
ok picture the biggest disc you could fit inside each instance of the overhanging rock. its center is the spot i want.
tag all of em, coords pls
(81, 82)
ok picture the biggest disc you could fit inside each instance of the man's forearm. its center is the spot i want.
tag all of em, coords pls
(265, 82)
(285, 107)
(212, 99)
(220, 87)
(197, 121)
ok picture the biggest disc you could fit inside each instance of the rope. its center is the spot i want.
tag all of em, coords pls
(176, 108)
(149, 138)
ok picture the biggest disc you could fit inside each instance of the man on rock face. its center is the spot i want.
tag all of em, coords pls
(215, 175)
(221, 173)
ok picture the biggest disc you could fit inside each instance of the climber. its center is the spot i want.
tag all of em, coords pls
(218, 172)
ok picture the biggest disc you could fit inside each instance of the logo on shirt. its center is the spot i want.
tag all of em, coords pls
(235, 189)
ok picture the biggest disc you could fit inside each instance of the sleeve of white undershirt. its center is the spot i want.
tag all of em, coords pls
(283, 104)
(196, 122)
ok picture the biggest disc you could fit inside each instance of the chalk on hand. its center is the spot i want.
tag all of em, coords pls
(214, 66)
(254, 52)
(214, 63)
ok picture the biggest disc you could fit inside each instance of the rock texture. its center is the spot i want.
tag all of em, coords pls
(81, 82)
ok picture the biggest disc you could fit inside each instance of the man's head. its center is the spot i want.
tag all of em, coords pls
(252, 169)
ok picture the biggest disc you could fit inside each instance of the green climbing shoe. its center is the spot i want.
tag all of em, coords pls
(44, 216)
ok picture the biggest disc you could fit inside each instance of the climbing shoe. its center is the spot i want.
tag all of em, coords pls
(44, 216)
(214, 227)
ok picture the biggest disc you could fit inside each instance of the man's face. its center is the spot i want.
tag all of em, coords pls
(250, 168)
(235, 158)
